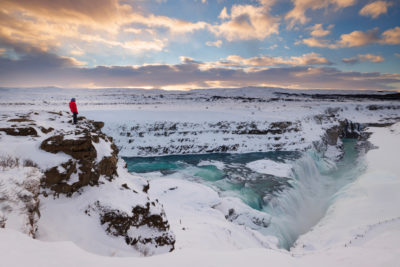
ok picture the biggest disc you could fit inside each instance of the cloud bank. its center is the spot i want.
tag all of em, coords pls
(43, 69)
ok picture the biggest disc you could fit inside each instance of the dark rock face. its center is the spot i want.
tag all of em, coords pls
(54, 177)
(98, 124)
(119, 223)
(81, 148)
(274, 128)
(19, 131)
(345, 129)
(84, 156)
(46, 130)
(351, 129)
(382, 107)
(108, 166)
(332, 135)
(22, 119)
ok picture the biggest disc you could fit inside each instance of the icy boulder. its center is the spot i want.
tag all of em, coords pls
(86, 195)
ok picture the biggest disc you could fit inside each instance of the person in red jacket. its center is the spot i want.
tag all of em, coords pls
(74, 109)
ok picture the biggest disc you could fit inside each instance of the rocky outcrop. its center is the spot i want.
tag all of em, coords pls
(124, 224)
(86, 169)
(345, 129)
(83, 161)
(19, 131)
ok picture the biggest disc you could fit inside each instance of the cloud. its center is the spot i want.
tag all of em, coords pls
(217, 43)
(313, 42)
(371, 58)
(49, 69)
(273, 46)
(262, 61)
(106, 14)
(247, 22)
(49, 25)
(391, 36)
(176, 26)
(397, 55)
(298, 14)
(224, 14)
(318, 31)
(350, 60)
(77, 52)
(142, 45)
(363, 58)
(375, 9)
(357, 38)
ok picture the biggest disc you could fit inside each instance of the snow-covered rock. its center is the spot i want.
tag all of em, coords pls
(82, 186)
(271, 167)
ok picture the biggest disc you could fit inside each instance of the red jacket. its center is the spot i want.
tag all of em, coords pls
(72, 106)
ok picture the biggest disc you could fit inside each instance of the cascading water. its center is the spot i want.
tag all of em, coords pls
(296, 203)
(316, 181)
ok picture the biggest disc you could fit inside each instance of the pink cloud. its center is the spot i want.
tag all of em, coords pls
(375, 9)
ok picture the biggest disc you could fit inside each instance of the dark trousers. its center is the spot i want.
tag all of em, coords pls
(75, 117)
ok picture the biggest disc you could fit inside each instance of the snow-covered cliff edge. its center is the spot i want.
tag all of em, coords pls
(61, 181)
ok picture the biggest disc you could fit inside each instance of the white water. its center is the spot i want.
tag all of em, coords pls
(316, 182)
(294, 203)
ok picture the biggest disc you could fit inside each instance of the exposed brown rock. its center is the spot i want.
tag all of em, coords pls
(81, 148)
(55, 113)
(146, 188)
(53, 176)
(98, 124)
(119, 223)
(46, 130)
(332, 135)
(108, 166)
(19, 131)
(84, 157)
(20, 120)
(281, 125)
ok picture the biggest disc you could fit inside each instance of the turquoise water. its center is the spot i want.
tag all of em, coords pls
(232, 178)
(295, 203)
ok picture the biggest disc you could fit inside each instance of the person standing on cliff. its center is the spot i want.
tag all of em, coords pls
(74, 109)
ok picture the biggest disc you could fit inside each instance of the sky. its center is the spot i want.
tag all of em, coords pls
(187, 44)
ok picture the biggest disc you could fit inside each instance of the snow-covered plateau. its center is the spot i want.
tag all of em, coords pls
(197, 197)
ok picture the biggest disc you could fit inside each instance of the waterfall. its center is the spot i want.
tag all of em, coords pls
(315, 182)
(295, 203)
